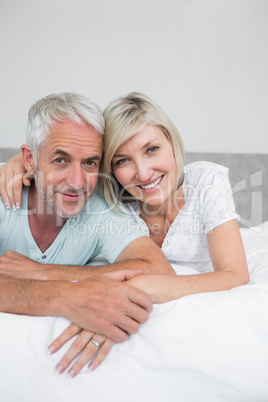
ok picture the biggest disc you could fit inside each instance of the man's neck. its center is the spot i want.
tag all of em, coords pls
(44, 223)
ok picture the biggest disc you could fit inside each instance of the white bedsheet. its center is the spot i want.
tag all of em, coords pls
(204, 347)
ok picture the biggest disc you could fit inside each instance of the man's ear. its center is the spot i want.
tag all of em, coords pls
(27, 158)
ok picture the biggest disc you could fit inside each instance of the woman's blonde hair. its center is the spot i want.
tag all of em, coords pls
(125, 117)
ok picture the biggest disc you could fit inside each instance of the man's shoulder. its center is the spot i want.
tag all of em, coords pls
(2, 206)
(20, 212)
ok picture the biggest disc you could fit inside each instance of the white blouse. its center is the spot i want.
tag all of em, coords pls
(208, 202)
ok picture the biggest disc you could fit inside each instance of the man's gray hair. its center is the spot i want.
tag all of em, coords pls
(60, 107)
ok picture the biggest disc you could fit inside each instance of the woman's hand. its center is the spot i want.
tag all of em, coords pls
(90, 345)
(12, 177)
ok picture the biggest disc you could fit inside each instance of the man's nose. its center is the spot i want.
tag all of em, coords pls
(75, 177)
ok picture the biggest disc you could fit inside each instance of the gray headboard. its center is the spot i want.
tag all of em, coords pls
(248, 177)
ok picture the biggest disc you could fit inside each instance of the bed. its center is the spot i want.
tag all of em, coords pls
(204, 347)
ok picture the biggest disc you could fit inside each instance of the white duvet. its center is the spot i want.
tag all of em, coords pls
(204, 347)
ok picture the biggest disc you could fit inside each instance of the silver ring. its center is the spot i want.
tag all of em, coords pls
(95, 343)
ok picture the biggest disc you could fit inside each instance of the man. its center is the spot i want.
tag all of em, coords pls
(61, 221)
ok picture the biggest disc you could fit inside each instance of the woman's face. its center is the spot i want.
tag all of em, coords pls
(145, 166)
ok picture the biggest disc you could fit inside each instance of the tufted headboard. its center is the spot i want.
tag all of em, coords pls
(248, 177)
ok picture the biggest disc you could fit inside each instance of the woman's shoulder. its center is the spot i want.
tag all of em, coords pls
(204, 166)
(201, 171)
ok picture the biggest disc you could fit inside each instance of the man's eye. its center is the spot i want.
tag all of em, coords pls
(90, 165)
(60, 161)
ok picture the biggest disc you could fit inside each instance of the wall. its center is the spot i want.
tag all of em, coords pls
(205, 62)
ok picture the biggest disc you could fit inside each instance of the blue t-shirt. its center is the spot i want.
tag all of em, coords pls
(96, 230)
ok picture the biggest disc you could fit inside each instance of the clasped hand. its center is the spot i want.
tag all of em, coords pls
(105, 309)
(84, 346)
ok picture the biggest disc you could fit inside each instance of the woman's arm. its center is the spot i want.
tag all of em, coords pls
(12, 176)
(230, 269)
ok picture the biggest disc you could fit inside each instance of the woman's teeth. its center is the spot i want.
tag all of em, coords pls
(152, 184)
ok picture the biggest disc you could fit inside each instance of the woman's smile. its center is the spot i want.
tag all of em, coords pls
(151, 186)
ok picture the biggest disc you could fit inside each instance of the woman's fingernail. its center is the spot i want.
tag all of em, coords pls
(17, 205)
(71, 373)
(59, 369)
(7, 205)
(51, 349)
(91, 368)
(14, 207)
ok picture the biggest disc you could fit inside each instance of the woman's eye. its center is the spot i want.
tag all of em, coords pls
(152, 149)
(121, 161)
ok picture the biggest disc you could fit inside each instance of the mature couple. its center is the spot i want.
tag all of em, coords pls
(145, 191)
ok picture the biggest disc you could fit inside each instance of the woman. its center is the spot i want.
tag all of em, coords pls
(188, 211)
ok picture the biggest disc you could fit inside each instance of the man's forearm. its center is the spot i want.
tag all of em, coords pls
(105, 305)
(74, 273)
(28, 297)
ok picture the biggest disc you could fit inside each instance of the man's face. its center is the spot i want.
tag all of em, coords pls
(68, 165)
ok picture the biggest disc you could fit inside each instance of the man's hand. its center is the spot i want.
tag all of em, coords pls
(106, 305)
